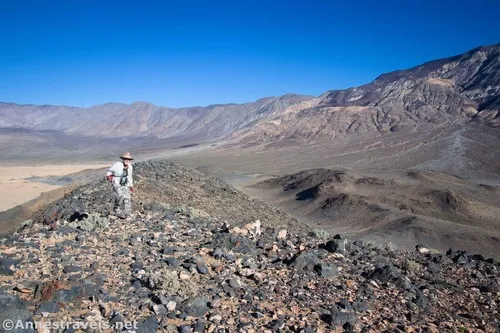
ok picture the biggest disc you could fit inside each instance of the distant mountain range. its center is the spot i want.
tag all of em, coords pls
(144, 119)
(438, 93)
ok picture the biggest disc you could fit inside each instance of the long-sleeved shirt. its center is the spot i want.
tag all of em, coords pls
(117, 170)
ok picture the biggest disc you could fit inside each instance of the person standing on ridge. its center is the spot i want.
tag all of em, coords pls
(120, 176)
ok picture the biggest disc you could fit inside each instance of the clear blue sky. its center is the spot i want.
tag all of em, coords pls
(186, 53)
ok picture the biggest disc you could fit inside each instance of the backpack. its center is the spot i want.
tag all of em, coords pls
(123, 178)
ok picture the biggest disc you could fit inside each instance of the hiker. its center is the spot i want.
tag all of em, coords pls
(120, 176)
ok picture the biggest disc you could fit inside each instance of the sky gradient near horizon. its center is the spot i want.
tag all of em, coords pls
(190, 53)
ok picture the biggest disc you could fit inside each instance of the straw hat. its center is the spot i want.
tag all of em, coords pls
(126, 156)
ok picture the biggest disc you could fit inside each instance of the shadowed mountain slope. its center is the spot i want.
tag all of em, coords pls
(402, 207)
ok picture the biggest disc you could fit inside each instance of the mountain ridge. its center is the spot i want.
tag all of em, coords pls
(450, 90)
(141, 118)
(454, 90)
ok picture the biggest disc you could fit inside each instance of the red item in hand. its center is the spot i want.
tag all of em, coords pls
(131, 189)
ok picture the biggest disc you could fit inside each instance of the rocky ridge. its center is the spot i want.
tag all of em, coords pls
(439, 93)
(199, 256)
(409, 206)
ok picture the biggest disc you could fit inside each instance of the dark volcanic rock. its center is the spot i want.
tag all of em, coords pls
(72, 269)
(199, 327)
(235, 243)
(326, 270)
(196, 306)
(361, 306)
(76, 292)
(338, 244)
(389, 273)
(421, 300)
(117, 318)
(201, 266)
(185, 329)
(276, 325)
(340, 319)
(461, 259)
(491, 287)
(305, 260)
(12, 309)
(173, 262)
(149, 325)
(5, 265)
(50, 307)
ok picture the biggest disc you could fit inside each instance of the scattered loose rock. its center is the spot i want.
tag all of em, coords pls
(220, 261)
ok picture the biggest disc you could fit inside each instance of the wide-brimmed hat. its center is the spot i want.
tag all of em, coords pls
(126, 156)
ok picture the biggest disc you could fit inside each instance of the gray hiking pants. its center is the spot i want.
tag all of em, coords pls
(122, 203)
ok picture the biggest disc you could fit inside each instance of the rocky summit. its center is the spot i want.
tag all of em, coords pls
(200, 256)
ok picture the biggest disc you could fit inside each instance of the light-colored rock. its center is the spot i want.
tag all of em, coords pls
(239, 231)
(422, 249)
(254, 228)
(215, 318)
(281, 234)
(171, 305)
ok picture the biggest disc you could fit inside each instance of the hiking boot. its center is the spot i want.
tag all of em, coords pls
(126, 217)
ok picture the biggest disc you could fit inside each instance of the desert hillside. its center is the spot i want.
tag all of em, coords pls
(406, 207)
(200, 256)
(436, 94)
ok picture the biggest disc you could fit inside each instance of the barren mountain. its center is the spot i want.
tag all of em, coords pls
(141, 119)
(402, 207)
(436, 94)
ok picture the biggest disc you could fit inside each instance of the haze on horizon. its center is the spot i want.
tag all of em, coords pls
(198, 53)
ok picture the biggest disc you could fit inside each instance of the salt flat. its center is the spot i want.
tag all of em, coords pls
(17, 188)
